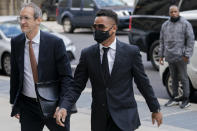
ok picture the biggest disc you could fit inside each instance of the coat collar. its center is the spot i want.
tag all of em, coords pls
(117, 58)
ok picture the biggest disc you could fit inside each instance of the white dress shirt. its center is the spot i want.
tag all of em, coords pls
(28, 83)
(110, 55)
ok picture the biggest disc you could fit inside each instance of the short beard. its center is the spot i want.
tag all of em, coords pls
(174, 19)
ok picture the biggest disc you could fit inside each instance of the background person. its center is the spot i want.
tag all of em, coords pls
(176, 45)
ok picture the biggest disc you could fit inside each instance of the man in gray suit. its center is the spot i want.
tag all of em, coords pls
(176, 45)
(111, 66)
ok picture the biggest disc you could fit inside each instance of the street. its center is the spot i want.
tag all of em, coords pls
(174, 117)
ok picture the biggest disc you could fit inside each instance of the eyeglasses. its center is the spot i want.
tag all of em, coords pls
(26, 18)
(98, 26)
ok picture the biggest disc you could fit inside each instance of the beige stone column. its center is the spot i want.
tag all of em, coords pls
(3, 7)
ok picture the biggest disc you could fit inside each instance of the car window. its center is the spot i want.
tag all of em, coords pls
(76, 3)
(50, 2)
(154, 7)
(63, 3)
(55, 1)
(88, 4)
(129, 2)
(10, 29)
(106, 3)
(188, 5)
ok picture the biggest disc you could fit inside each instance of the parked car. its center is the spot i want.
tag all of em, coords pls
(147, 19)
(48, 8)
(129, 2)
(9, 28)
(191, 70)
(73, 14)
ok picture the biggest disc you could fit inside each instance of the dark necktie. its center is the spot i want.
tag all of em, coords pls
(105, 65)
(33, 62)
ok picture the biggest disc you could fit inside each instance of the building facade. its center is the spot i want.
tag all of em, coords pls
(12, 7)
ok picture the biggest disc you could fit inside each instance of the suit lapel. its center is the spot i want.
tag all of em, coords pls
(117, 60)
(98, 62)
(21, 54)
(42, 54)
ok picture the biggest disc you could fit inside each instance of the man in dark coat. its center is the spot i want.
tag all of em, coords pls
(111, 66)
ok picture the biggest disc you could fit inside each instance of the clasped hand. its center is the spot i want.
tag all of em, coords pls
(60, 116)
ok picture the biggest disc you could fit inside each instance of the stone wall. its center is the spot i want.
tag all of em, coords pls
(12, 7)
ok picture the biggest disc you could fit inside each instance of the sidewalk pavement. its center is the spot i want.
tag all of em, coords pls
(175, 119)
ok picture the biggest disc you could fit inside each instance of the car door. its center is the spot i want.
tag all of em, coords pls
(47, 7)
(192, 67)
(89, 11)
(187, 5)
(1, 43)
(76, 11)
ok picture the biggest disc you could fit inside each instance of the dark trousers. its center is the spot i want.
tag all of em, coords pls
(178, 72)
(31, 118)
(111, 125)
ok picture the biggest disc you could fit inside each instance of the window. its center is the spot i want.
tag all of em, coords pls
(76, 3)
(108, 3)
(188, 5)
(154, 7)
(63, 3)
(10, 29)
(55, 1)
(88, 4)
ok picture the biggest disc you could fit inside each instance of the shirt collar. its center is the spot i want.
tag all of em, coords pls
(36, 39)
(112, 46)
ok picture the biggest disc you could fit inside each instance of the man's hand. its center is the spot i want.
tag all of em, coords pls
(157, 117)
(17, 116)
(60, 115)
(185, 59)
(161, 61)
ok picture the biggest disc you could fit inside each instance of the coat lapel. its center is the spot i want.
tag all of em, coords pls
(21, 55)
(117, 60)
(42, 54)
(98, 62)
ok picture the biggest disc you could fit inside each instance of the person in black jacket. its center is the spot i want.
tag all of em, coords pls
(111, 66)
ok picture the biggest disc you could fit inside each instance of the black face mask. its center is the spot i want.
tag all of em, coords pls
(101, 36)
(174, 19)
